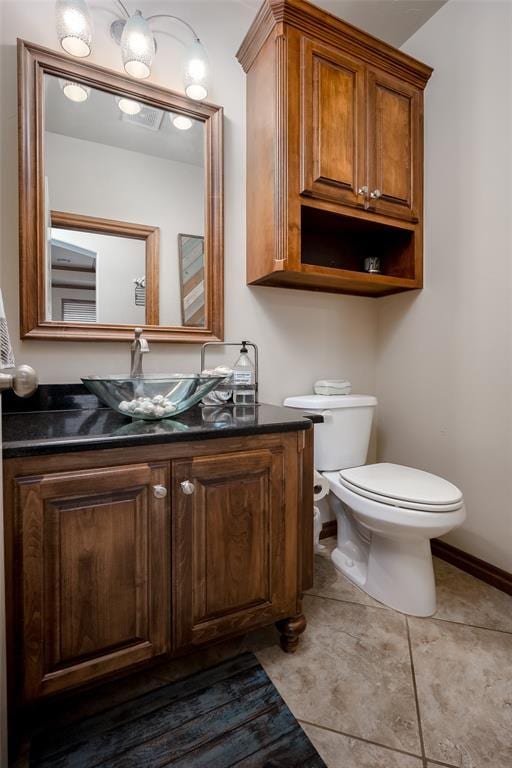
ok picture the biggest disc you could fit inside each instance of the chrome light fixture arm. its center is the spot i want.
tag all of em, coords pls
(174, 18)
(123, 8)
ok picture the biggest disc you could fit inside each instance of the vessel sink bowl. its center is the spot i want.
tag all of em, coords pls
(153, 396)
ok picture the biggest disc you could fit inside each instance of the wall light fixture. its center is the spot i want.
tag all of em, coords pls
(137, 41)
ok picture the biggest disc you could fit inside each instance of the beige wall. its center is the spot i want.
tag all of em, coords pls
(302, 336)
(444, 378)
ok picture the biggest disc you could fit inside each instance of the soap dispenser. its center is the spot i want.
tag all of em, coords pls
(244, 379)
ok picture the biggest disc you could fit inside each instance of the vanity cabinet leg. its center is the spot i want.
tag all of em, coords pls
(291, 629)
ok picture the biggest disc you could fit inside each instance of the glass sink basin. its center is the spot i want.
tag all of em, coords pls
(152, 396)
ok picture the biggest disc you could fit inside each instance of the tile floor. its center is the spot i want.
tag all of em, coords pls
(376, 689)
(371, 687)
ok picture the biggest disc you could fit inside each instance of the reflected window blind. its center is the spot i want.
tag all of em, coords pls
(78, 311)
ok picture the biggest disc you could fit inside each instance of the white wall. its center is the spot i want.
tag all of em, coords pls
(301, 335)
(444, 378)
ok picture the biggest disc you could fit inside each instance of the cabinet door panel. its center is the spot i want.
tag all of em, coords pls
(91, 559)
(236, 530)
(233, 540)
(333, 124)
(395, 154)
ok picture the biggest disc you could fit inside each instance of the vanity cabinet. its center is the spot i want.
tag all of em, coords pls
(94, 573)
(117, 557)
(235, 543)
(334, 154)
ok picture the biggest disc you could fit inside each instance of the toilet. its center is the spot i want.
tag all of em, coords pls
(386, 513)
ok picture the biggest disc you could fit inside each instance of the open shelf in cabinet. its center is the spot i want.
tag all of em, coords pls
(334, 246)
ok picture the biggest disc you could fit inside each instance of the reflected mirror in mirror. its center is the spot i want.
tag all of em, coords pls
(101, 270)
(123, 181)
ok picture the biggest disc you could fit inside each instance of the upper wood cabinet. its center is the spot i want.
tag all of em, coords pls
(94, 569)
(395, 153)
(333, 124)
(334, 154)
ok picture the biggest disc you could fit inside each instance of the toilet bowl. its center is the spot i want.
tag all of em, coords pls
(384, 540)
(386, 513)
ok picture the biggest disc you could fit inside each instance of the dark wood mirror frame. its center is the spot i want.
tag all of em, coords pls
(33, 63)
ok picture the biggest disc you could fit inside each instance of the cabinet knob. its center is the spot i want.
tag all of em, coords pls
(375, 194)
(362, 191)
(159, 491)
(187, 487)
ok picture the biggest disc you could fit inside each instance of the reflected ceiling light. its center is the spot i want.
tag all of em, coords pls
(74, 27)
(137, 46)
(128, 106)
(181, 122)
(195, 73)
(74, 91)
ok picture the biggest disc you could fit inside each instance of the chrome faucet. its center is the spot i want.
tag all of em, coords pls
(138, 348)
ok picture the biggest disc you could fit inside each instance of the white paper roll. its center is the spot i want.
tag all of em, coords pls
(320, 486)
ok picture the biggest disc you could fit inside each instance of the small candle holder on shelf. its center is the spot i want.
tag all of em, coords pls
(372, 265)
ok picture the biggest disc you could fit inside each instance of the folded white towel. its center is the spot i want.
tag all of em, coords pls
(6, 353)
(332, 387)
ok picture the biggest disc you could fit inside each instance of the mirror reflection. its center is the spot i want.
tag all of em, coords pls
(124, 198)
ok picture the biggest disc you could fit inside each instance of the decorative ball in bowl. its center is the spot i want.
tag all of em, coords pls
(153, 396)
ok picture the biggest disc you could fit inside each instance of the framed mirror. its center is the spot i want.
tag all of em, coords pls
(113, 174)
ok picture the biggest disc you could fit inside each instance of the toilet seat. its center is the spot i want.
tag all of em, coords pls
(404, 487)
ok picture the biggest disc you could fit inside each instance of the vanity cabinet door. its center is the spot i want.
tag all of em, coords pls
(94, 573)
(333, 124)
(234, 541)
(395, 154)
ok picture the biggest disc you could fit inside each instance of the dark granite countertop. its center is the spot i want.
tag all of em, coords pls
(63, 418)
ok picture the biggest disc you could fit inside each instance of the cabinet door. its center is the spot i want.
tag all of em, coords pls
(235, 542)
(333, 124)
(394, 146)
(94, 570)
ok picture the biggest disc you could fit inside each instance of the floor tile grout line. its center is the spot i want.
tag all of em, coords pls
(463, 624)
(360, 738)
(422, 618)
(350, 602)
(415, 689)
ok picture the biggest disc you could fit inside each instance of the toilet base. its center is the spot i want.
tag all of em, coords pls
(396, 572)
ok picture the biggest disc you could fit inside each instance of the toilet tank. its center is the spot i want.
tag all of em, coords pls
(343, 438)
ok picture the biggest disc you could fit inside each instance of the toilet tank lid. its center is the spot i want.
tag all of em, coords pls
(328, 402)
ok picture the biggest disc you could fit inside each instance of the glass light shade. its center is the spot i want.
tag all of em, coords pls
(196, 72)
(129, 106)
(74, 27)
(137, 46)
(181, 122)
(75, 91)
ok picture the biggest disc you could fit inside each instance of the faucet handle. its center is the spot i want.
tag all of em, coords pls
(143, 343)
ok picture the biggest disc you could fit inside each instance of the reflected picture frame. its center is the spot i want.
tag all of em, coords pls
(191, 263)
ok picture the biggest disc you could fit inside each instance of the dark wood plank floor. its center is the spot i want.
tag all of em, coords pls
(228, 715)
